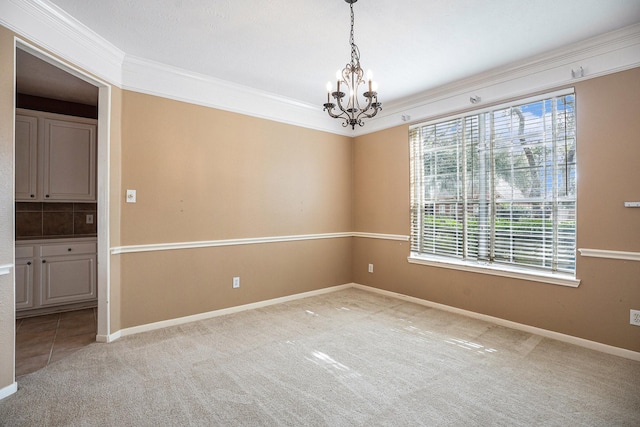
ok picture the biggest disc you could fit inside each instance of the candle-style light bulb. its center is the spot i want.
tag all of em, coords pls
(328, 92)
(369, 78)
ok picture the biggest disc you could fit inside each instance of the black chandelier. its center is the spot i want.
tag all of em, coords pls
(352, 111)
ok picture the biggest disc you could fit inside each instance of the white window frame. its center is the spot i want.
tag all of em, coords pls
(504, 270)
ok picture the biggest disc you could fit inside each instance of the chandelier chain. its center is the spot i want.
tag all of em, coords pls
(355, 52)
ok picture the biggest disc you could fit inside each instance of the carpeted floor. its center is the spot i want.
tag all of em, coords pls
(345, 358)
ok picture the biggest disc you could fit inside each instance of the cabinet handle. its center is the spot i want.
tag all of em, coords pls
(32, 196)
(69, 250)
(29, 263)
(46, 195)
(44, 260)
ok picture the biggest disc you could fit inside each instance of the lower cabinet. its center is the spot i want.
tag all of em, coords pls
(55, 273)
(24, 283)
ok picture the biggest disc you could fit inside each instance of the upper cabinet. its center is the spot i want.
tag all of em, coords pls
(26, 157)
(55, 157)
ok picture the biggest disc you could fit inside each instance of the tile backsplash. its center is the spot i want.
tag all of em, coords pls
(49, 219)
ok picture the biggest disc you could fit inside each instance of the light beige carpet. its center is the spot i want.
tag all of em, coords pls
(348, 358)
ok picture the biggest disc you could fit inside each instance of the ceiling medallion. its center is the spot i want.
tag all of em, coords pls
(354, 109)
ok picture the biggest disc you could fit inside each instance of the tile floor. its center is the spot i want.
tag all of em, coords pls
(45, 339)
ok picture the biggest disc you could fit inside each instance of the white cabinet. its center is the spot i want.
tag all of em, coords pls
(55, 273)
(55, 157)
(67, 273)
(26, 157)
(25, 264)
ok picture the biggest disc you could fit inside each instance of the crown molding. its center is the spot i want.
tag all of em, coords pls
(609, 53)
(50, 27)
(153, 78)
(45, 24)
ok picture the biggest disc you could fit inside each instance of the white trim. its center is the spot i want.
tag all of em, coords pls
(228, 242)
(5, 269)
(592, 345)
(601, 253)
(8, 390)
(399, 237)
(103, 183)
(249, 241)
(501, 270)
(104, 202)
(208, 315)
(107, 338)
(47, 25)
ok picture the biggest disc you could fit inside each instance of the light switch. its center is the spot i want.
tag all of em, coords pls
(89, 219)
(131, 196)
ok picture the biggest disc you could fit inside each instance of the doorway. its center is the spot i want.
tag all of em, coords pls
(45, 83)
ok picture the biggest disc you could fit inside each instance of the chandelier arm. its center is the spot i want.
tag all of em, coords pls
(341, 106)
(329, 110)
(343, 115)
(369, 116)
(372, 105)
(363, 111)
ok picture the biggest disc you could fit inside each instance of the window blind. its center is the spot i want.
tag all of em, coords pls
(498, 185)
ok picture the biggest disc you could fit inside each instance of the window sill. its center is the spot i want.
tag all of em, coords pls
(502, 270)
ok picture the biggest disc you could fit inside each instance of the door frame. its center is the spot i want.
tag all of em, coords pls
(103, 179)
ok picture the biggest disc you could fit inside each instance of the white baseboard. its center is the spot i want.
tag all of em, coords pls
(202, 316)
(604, 348)
(108, 338)
(8, 390)
(592, 345)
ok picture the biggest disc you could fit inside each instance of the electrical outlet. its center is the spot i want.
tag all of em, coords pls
(89, 219)
(236, 282)
(370, 268)
(635, 317)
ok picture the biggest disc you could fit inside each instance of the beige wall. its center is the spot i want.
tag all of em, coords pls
(204, 174)
(608, 174)
(7, 306)
(170, 284)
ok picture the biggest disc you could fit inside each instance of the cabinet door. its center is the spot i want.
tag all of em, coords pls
(67, 279)
(69, 161)
(26, 157)
(24, 284)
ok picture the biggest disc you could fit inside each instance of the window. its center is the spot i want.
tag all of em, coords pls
(498, 186)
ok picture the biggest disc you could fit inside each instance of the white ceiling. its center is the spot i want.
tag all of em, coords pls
(292, 48)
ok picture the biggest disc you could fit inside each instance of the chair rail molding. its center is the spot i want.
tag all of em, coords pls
(249, 241)
(605, 253)
(5, 269)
